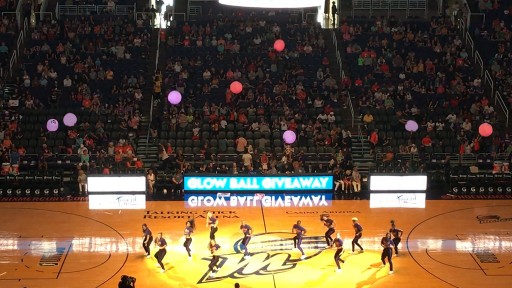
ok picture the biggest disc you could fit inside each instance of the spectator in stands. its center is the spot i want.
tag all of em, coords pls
(177, 184)
(82, 183)
(241, 144)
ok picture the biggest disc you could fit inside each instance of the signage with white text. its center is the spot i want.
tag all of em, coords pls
(258, 183)
(398, 182)
(117, 201)
(257, 200)
(397, 200)
(117, 192)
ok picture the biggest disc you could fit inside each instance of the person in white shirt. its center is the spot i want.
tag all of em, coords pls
(322, 117)
(67, 82)
(331, 118)
(466, 126)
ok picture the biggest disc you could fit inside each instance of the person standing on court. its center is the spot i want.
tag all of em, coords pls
(338, 243)
(247, 231)
(334, 11)
(358, 229)
(297, 240)
(387, 251)
(214, 250)
(213, 223)
(397, 235)
(148, 239)
(189, 229)
(331, 225)
(160, 254)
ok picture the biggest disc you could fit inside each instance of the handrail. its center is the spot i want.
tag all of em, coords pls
(361, 138)
(19, 9)
(351, 107)
(152, 96)
(469, 41)
(478, 59)
(342, 74)
(87, 9)
(488, 79)
(20, 41)
(503, 106)
(12, 62)
(42, 9)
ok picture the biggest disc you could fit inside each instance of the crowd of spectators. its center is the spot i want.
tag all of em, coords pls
(494, 36)
(289, 90)
(92, 66)
(418, 70)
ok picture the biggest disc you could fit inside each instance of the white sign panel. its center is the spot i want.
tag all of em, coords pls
(398, 183)
(273, 4)
(117, 202)
(109, 184)
(397, 200)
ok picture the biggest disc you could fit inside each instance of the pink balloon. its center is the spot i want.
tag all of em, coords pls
(279, 45)
(174, 97)
(70, 119)
(485, 129)
(411, 126)
(236, 87)
(52, 125)
(289, 137)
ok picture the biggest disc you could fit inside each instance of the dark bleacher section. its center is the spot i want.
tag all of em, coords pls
(493, 39)
(9, 31)
(90, 66)
(419, 70)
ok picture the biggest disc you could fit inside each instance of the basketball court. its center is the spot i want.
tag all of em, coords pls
(447, 244)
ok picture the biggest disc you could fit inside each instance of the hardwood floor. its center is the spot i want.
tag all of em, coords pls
(447, 244)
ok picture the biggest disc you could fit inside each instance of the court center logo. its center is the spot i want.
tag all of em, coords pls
(485, 219)
(271, 253)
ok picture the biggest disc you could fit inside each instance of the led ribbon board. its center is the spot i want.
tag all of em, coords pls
(252, 191)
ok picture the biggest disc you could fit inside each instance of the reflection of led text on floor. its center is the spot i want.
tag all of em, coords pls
(485, 256)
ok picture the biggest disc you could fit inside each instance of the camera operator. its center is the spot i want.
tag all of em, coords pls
(127, 282)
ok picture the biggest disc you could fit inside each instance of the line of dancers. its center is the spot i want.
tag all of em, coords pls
(389, 242)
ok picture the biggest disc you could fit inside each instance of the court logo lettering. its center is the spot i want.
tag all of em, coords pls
(269, 256)
(235, 266)
(484, 219)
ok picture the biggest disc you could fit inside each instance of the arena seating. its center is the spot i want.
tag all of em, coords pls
(206, 94)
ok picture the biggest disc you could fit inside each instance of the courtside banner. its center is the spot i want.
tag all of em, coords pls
(258, 199)
(213, 183)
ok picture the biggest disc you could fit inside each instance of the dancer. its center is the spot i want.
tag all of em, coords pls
(160, 254)
(148, 238)
(331, 225)
(189, 229)
(247, 231)
(387, 251)
(297, 240)
(214, 249)
(338, 243)
(213, 223)
(358, 229)
(397, 235)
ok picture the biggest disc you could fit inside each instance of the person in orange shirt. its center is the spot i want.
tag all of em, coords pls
(374, 140)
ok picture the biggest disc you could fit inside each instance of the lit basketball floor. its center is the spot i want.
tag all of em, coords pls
(448, 244)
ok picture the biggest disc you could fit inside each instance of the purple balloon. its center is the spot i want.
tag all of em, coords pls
(411, 126)
(70, 119)
(289, 137)
(174, 97)
(52, 125)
